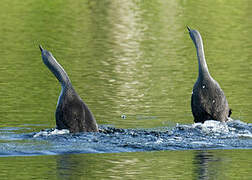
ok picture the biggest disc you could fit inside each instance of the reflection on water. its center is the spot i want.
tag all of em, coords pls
(214, 164)
(69, 167)
(202, 162)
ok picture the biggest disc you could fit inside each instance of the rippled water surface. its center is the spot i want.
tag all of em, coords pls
(134, 64)
(210, 135)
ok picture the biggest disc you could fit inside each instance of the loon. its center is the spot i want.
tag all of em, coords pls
(208, 101)
(71, 112)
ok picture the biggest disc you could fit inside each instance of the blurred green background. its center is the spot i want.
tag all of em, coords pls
(127, 57)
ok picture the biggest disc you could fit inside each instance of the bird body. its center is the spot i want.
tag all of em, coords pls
(71, 112)
(208, 101)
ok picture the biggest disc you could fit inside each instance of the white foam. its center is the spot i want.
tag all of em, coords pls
(245, 135)
(212, 126)
(51, 132)
(160, 140)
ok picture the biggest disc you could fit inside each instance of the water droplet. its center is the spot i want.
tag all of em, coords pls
(123, 116)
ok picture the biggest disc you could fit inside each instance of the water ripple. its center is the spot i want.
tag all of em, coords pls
(234, 134)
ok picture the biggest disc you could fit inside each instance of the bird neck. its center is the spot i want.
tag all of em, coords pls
(58, 71)
(203, 69)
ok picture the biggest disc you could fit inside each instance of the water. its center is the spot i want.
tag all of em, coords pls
(210, 135)
(212, 164)
(134, 65)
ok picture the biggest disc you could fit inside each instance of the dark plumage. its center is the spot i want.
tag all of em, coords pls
(208, 101)
(71, 112)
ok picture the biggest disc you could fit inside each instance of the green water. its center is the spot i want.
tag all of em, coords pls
(127, 57)
(214, 164)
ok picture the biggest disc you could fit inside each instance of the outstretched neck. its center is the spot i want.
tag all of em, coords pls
(203, 69)
(197, 40)
(56, 69)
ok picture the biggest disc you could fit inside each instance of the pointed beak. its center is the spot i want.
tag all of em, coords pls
(41, 49)
(188, 28)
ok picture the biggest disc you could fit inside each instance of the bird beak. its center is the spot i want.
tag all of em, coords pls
(41, 49)
(188, 29)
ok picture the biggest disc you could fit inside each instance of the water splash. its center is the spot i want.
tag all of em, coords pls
(211, 135)
(51, 132)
